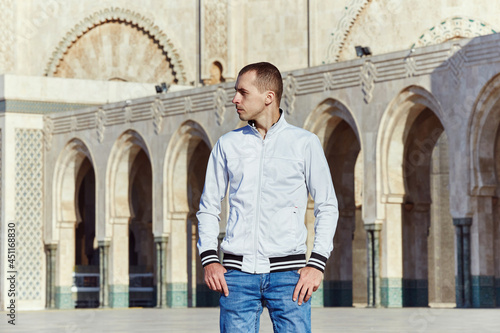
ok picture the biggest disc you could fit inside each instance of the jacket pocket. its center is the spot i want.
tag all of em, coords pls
(282, 232)
(237, 233)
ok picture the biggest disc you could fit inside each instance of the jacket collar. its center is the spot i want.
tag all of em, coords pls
(276, 127)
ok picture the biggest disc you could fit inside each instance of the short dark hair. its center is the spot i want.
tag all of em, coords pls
(268, 77)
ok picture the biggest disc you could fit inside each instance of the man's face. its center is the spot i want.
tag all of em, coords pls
(249, 101)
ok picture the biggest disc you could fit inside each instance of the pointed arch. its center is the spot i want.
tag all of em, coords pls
(179, 150)
(483, 126)
(121, 159)
(392, 134)
(326, 116)
(66, 176)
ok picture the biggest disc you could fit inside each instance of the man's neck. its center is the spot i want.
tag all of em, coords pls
(265, 123)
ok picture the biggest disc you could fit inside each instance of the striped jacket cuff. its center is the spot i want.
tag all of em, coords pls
(317, 261)
(209, 257)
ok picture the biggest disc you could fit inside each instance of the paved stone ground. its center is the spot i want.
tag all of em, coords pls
(206, 320)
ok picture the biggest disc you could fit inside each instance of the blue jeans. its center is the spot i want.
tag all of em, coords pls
(248, 293)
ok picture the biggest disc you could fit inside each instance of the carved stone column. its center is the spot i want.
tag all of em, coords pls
(161, 276)
(463, 278)
(103, 274)
(50, 290)
(373, 263)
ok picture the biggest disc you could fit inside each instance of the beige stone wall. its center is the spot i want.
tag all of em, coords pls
(292, 34)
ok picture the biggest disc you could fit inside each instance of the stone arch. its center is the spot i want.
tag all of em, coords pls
(126, 17)
(336, 127)
(390, 140)
(185, 168)
(178, 151)
(216, 70)
(452, 28)
(483, 125)
(121, 159)
(67, 175)
(484, 149)
(337, 39)
(409, 131)
(326, 116)
(119, 213)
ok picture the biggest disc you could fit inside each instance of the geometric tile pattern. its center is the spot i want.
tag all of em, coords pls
(29, 212)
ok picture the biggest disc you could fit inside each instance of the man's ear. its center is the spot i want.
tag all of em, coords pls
(270, 97)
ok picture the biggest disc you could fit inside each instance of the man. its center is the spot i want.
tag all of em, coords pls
(270, 168)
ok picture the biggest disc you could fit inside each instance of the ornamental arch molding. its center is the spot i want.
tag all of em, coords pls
(326, 116)
(483, 128)
(177, 159)
(121, 160)
(128, 18)
(338, 36)
(453, 28)
(67, 175)
(392, 135)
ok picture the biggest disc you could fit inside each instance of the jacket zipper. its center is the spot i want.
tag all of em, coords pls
(257, 222)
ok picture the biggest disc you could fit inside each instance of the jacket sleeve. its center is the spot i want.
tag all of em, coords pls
(216, 181)
(320, 186)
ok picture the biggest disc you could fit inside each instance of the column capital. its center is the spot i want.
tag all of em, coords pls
(104, 243)
(51, 247)
(161, 239)
(462, 221)
(373, 226)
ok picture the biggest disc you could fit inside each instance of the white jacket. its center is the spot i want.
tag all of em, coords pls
(269, 181)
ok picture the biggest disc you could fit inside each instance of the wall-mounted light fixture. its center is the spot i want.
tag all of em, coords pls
(162, 88)
(362, 51)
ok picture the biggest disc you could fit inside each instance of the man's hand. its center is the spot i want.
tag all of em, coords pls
(309, 281)
(214, 278)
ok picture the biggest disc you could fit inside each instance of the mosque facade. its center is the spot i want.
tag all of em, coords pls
(101, 173)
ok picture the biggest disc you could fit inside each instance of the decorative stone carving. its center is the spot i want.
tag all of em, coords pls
(367, 77)
(456, 62)
(48, 129)
(73, 124)
(215, 26)
(289, 91)
(120, 15)
(327, 81)
(100, 124)
(352, 10)
(7, 26)
(188, 104)
(220, 98)
(157, 111)
(410, 67)
(453, 27)
(127, 114)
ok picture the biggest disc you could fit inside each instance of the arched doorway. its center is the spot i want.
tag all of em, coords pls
(142, 254)
(336, 129)
(427, 242)
(74, 208)
(130, 256)
(197, 293)
(409, 161)
(186, 161)
(86, 275)
(342, 150)
(483, 270)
